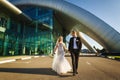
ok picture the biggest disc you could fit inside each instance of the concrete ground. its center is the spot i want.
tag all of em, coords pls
(39, 68)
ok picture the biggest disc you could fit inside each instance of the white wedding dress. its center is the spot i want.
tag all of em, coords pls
(60, 63)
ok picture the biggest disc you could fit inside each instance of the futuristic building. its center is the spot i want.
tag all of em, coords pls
(33, 26)
(21, 34)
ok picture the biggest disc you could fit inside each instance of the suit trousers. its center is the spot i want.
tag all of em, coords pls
(75, 59)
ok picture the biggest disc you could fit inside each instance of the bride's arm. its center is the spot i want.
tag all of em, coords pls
(56, 46)
(64, 46)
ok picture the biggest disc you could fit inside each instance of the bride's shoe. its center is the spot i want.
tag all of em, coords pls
(61, 73)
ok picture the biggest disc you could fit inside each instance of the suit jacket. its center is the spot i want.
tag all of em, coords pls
(78, 42)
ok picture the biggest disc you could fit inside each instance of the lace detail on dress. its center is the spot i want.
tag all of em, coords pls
(60, 63)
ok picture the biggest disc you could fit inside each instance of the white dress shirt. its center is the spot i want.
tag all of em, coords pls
(74, 44)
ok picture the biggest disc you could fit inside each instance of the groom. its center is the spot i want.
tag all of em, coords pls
(74, 48)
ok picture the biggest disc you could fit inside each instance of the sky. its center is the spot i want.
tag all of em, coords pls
(106, 10)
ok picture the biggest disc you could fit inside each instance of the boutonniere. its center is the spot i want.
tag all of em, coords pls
(77, 40)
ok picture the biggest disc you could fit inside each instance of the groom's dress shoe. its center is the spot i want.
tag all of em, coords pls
(76, 72)
(73, 74)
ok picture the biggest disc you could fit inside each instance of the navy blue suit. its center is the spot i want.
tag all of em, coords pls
(75, 52)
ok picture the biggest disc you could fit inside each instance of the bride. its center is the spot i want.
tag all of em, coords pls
(60, 63)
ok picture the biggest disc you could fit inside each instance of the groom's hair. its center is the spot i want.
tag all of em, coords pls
(73, 32)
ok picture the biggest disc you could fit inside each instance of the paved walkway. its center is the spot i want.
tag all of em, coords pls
(39, 68)
(6, 59)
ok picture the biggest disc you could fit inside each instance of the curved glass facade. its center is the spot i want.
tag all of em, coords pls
(38, 39)
(19, 38)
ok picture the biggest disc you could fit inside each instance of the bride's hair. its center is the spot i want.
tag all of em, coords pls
(59, 39)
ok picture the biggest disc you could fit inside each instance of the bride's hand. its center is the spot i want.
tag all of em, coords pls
(66, 50)
(53, 52)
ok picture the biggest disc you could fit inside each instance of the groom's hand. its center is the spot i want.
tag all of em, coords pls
(68, 51)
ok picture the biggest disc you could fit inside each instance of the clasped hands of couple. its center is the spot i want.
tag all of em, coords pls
(65, 50)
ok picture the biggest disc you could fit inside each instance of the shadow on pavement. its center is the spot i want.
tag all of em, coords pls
(41, 71)
(62, 76)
